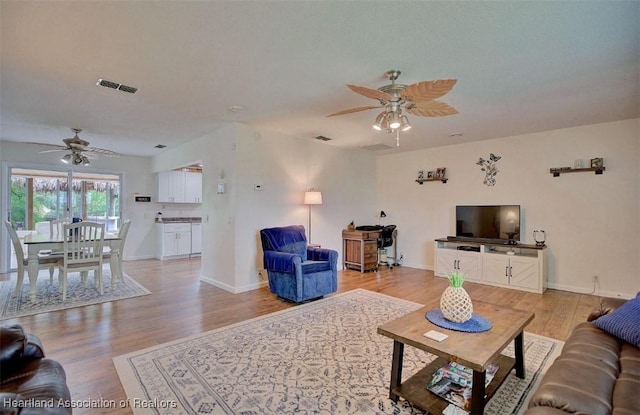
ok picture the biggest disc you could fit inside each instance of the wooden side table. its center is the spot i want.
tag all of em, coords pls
(360, 250)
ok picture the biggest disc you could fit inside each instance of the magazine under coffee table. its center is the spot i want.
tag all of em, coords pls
(474, 350)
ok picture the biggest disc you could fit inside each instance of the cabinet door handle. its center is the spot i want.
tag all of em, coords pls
(506, 271)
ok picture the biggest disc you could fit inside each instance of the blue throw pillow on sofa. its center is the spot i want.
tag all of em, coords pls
(623, 322)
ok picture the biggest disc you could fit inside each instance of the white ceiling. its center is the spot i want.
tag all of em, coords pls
(521, 67)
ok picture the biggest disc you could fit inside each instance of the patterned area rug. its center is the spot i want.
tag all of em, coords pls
(323, 357)
(48, 297)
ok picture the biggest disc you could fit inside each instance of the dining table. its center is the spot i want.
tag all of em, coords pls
(36, 243)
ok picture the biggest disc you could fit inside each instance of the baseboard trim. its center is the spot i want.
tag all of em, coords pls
(232, 289)
(599, 293)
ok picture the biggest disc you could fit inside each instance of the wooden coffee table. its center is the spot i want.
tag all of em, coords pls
(474, 350)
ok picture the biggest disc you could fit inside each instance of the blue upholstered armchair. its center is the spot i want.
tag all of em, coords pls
(298, 272)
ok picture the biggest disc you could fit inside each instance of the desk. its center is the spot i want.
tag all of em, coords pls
(38, 242)
(360, 250)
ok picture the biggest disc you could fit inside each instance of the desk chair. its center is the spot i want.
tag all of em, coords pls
(386, 239)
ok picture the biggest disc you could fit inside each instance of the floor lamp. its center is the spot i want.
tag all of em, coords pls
(312, 197)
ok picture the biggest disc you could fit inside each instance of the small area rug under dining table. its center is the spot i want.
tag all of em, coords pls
(49, 298)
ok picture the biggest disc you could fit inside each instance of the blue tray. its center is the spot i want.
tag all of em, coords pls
(476, 324)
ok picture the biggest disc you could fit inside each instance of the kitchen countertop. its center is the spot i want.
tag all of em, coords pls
(181, 220)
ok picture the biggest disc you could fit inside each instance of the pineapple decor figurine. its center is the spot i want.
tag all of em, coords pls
(455, 303)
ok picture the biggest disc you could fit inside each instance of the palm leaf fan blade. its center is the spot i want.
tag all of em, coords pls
(431, 109)
(352, 110)
(428, 90)
(370, 93)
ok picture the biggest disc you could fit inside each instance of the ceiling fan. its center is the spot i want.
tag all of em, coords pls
(78, 150)
(416, 99)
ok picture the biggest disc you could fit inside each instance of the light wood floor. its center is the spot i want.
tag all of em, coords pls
(86, 339)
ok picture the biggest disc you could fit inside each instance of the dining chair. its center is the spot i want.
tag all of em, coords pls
(114, 255)
(43, 260)
(56, 227)
(83, 243)
(55, 232)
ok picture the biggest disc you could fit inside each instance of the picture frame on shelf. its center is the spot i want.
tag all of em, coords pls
(430, 174)
(597, 162)
(440, 172)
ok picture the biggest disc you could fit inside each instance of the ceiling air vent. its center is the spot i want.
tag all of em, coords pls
(115, 85)
(323, 138)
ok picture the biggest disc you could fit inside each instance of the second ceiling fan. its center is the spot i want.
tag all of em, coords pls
(78, 150)
(396, 99)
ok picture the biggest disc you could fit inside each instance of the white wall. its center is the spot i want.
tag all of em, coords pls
(592, 221)
(136, 177)
(284, 167)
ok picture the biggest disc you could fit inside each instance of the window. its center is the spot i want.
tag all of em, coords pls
(39, 196)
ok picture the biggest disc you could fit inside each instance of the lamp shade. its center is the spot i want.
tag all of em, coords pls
(312, 197)
(405, 125)
(378, 125)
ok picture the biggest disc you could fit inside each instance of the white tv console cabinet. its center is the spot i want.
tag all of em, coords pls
(489, 263)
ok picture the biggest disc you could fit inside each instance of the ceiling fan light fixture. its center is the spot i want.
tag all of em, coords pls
(66, 158)
(419, 98)
(77, 159)
(405, 125)
(85, 161)
(379, 123)
(394, 120)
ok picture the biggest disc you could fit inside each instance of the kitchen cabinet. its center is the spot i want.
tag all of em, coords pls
(173, 240)
(192, 187)
(196, 238)
(179, 187)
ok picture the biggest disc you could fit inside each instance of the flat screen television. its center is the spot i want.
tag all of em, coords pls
(498, 223)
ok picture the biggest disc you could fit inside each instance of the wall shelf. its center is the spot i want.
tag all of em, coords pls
(422, 181)
(558, 171)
